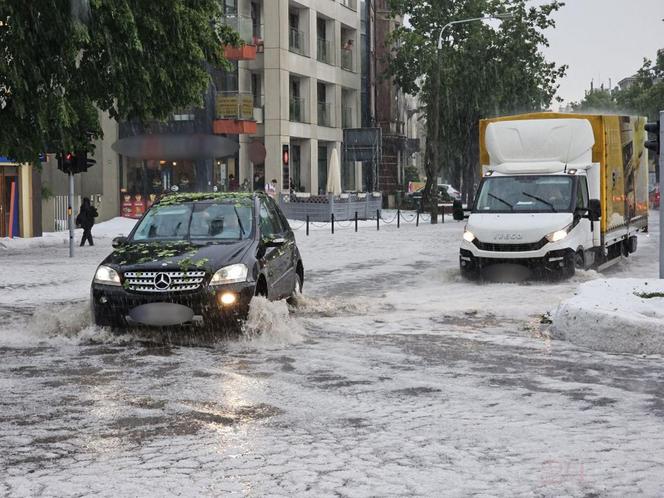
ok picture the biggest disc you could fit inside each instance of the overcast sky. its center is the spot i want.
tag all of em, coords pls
(603, 39)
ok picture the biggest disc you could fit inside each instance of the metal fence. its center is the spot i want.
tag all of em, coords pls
(320, 208)
(61, 204)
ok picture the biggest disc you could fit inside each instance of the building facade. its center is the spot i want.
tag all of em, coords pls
(277, 114)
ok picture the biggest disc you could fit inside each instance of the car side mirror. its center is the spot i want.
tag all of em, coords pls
(594, 210)
(119, 242)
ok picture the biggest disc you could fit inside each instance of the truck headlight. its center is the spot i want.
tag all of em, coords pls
(107, 276)
(558, 235)
(468, 236)
(230, 275)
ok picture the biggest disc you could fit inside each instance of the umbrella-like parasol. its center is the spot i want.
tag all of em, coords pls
(334, 174)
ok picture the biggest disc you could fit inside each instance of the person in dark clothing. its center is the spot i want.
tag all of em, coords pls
(86, 219)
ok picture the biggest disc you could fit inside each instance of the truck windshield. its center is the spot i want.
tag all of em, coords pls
(530, 194)
(205, 221)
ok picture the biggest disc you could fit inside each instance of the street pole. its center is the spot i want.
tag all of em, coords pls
(661, 182)
(70, 212)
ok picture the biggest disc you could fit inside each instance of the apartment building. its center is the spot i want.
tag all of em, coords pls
(295, 88)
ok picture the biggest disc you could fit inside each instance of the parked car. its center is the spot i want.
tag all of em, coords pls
(654, 196)
(198, 258)
(451, 191)
(413, 200)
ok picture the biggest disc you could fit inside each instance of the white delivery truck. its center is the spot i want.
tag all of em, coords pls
(558, 192)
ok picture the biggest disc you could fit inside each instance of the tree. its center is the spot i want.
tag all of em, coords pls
(596, 101)
(63, 61)
(480, 72)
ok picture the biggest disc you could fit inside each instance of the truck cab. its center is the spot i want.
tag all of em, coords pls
(539, 201)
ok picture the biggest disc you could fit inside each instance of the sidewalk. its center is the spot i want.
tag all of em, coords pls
(106, 229)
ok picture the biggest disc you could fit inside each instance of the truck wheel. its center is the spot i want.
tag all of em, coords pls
(469, 273)
(569, 269)
(580, 260)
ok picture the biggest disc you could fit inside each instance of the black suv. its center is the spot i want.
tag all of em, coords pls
(198, 258)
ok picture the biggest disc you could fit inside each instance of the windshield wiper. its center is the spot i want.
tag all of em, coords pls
(500, 200)
(239, 222)
(553, 208)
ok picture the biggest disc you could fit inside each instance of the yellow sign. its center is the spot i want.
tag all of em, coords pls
(235, 106)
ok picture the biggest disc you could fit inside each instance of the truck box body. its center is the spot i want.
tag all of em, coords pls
(620, 151)
(558, 192)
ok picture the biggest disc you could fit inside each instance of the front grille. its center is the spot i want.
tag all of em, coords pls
(535, 246)
(163, 281)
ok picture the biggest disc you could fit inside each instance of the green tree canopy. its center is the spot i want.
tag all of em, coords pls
(480, 72)
(644, 96)
(65, 60)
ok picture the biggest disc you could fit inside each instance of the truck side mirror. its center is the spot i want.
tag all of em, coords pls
(457, 210)
(594, 210)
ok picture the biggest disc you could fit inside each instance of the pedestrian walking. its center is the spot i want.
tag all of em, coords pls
(86, 220)
(271, 188)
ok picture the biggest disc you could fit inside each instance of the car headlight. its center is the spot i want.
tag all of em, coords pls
(230, 274)
(107, 276)
(468, 236)
(558, 235)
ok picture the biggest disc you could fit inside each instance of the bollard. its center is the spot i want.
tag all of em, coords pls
(377, 219)
(332, 219)
(417, 219)
(443, 213)
(307, 225)
(398, 218)
(356, 221)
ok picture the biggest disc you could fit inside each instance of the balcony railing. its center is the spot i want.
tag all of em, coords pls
(296, 109)
(235, 105)
(351, 4)
(325, 51)
(324, 114)
(347, 117)
(244, 25)
(346, 59)
(296, 41)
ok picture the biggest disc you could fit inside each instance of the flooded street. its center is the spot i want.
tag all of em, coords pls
(385, 380)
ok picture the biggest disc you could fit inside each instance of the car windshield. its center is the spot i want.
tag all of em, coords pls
(206, 221)
(532, 194)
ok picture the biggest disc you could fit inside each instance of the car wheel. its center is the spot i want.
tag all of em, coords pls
(297, 290)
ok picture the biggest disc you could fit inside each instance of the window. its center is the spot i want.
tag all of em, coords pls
(278, 216)
(269, 225)
(582, 193)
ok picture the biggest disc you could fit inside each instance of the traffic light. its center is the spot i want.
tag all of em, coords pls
(69, 162)
(66, 162)
(653, 144)
(285, 155)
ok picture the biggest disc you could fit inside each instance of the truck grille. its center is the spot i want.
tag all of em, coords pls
(163, 281)
(535, 246)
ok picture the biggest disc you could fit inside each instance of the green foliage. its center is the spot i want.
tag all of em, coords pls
(599, 101)
(644, 97)
(479, 72)
(136, 59)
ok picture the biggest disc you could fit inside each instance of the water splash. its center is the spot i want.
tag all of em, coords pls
(270, 323)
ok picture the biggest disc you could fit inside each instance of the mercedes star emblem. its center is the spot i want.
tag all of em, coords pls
(162, 281)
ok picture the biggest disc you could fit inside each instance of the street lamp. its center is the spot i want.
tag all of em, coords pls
(439, 51)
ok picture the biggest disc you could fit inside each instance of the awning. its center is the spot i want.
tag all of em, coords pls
(176, 147)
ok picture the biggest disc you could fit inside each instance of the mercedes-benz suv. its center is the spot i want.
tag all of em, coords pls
(198, 258)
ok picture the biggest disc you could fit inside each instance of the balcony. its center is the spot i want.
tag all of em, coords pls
(324, 114)
(347, 117)
(234, 114)
(244, 26)
(296, 110)
(296, 42)
(325, 51)
(351, 4)
(346, 59)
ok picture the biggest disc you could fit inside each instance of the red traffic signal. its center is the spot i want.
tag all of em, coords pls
(285, 156)
(71, 163)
